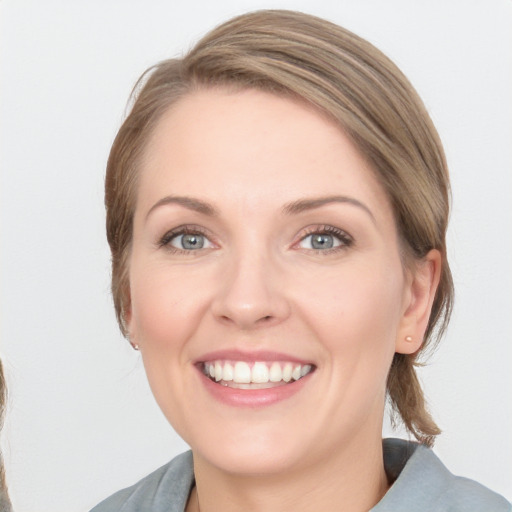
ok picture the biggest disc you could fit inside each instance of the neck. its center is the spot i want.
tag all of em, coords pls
(352, 477)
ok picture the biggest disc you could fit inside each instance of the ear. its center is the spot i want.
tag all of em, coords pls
(127, 316)
(418, 299)
(128, 327)
(127, 319)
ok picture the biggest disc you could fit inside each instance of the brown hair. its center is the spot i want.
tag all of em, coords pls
(345, 78)
(5, 503)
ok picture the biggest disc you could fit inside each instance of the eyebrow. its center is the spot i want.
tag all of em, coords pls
(293, 208)
(310, 204)
(190, 203)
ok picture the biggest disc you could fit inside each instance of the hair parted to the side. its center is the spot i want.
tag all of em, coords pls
(345, 78)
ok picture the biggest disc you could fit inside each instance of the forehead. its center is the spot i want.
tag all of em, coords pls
(251, 146)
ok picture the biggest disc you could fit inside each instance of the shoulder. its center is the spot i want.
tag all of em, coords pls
(423, 483)
(166, 489)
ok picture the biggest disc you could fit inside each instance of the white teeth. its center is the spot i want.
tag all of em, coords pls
(276, 374)
(305, 370)
(242, 373)
(218, 371)
(287, 372)
(228, 372)
(261, 373)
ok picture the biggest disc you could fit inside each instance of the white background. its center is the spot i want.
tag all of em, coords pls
(81, 420)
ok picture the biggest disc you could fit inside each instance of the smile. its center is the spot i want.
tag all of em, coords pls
(254, 375)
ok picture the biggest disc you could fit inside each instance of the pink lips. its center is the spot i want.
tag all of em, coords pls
(239, 355)
(250, 397)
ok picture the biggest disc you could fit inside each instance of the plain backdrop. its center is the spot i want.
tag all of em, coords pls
(81, 420)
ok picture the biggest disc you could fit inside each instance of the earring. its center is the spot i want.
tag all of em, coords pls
(408, 339)
(135, 346)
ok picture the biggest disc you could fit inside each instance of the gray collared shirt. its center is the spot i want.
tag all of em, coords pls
(421, 484)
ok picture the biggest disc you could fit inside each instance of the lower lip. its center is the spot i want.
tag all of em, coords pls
(252, 397)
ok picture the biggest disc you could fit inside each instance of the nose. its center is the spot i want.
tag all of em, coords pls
(251, 294)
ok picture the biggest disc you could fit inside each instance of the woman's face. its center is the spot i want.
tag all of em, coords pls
(265, 255)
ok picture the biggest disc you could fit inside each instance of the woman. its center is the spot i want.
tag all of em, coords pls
(277, 203)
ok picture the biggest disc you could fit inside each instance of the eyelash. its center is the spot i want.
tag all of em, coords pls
(345, 239)
(165, 241)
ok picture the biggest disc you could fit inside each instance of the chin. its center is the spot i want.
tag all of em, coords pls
(257, 459)
(264, 449)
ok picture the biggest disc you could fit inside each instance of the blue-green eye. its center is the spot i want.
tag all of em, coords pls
(325, 239)
(319, 241)
(189, 241)
(186, 240)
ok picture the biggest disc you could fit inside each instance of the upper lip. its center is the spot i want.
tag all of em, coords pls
(252, 356)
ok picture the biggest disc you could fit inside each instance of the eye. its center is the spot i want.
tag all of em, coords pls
(185, 239)
(320, 241)
(325, 238)
(190, 241)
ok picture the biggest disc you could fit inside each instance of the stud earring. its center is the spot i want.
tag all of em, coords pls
(135, 346)
(408, 339)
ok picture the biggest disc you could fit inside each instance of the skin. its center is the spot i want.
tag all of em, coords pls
(257, 284)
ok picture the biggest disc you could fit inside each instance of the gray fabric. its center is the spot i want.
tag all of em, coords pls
(421, 484)
(165, 490)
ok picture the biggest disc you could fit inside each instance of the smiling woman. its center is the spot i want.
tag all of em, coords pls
(277, 204)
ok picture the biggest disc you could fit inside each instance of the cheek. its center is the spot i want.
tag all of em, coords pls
(356, 311)
(165, 306)
(166, 310)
